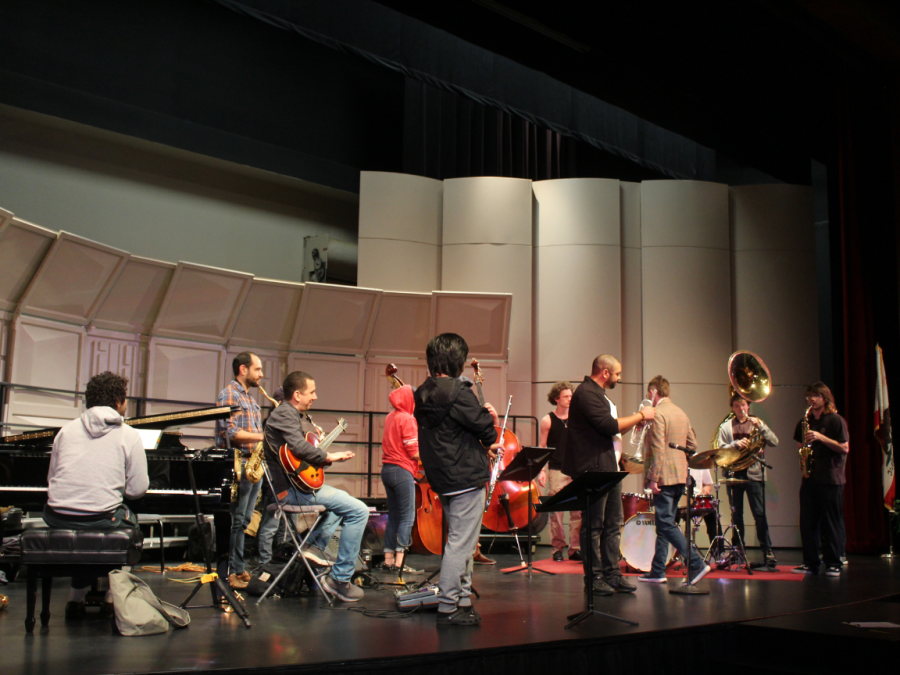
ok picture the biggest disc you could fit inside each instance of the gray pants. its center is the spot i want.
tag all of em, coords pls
(462, 514)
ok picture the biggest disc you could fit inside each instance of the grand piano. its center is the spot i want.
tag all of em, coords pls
(25, 460)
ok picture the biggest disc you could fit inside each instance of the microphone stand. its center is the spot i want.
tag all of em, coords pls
(688, 588)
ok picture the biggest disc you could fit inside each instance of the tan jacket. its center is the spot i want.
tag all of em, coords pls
(666, 465)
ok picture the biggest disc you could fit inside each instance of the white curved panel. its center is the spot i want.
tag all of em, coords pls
(403, 325)
(399, 265)
(577, 211)
(268, 315)
(23, 247)
(335, 319)
(202, 303)
(397, 206)
(182, 371)
(684, 213)
(134, 300)
(573, 326)
(487, 210)
(73, 280)
(686, 314)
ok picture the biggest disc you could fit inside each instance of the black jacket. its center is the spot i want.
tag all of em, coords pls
(589, 438)
(452, 425)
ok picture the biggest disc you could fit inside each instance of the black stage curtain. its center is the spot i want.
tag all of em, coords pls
(868, 252)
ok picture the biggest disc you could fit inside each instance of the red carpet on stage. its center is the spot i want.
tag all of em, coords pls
(569, 567)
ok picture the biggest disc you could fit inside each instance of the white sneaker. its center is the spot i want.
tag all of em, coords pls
(697, 577)
(317, 556)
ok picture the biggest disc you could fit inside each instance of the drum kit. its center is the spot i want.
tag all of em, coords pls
(750, 378)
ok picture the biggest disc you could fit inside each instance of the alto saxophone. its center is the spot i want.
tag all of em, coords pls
(806, 452)
(254, 470)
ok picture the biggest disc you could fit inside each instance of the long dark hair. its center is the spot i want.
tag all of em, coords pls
(822, 389)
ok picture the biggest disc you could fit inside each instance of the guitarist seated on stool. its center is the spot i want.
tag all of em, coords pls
(288, 426)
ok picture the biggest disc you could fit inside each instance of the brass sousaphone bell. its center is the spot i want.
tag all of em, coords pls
(750, 378)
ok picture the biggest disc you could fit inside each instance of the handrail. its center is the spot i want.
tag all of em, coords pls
(369, 417)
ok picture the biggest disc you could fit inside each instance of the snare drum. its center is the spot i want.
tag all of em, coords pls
(639, 542)
(703, 505)
(633, 503)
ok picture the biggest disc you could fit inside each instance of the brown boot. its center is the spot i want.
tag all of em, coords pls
(481, 559)
(235, 581)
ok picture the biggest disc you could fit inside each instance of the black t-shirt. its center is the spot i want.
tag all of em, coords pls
(828, 465)
(556, 438)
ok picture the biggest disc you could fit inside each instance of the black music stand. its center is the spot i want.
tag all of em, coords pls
(579, 495)
(524, 467)
(217, 586)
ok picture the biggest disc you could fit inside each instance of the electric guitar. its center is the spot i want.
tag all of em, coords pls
(306, 477)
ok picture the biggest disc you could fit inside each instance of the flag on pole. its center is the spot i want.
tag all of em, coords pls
(883, 432)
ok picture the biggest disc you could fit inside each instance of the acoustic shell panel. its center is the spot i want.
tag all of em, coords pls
(268, 315)
(73, 280)
(46, 354)
(481, 318)
(487, 210)
(183, 371)
(22, 248)
(133, 302)
(335, 319)
(202, 303)
(401, 207)
(402, 326)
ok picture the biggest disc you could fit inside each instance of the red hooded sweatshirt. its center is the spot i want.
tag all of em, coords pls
(401, 433)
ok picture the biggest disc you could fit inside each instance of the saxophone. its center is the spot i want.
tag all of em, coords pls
(806, 452)
(254, 470)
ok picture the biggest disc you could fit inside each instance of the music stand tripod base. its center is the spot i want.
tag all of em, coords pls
(524, 467)
(578, 496)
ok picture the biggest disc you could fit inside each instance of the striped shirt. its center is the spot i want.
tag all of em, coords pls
(246, 419)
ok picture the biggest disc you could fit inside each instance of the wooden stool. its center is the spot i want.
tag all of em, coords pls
(54, 552)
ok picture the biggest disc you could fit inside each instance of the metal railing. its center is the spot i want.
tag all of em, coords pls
(141, 402)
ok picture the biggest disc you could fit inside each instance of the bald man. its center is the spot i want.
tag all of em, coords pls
(589, 447)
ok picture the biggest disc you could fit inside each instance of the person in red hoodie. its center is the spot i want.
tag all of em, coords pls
(399, 465)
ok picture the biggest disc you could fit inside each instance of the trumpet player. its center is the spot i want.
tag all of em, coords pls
(822, 493)
(738, 432)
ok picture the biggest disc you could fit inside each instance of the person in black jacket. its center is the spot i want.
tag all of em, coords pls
(589, 447)
(456, 436)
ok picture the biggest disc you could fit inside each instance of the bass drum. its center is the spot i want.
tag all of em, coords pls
(639, 542)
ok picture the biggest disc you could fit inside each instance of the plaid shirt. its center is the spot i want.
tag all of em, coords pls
(666, 465)
(247, 418)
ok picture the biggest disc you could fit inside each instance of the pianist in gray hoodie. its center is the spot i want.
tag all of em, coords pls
(97, 461)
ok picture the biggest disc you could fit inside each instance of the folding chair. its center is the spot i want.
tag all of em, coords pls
(291, 510)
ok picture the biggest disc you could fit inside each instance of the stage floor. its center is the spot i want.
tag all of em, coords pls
(519, 613)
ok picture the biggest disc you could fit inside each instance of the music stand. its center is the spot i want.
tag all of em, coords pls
(578, 496)
(524, 467)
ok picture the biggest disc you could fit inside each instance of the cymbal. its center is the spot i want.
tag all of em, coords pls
(733, 481)
(703, 460)
(727, 456)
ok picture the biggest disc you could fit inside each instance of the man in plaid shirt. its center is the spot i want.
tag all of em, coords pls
(665, 473)
(243, 430)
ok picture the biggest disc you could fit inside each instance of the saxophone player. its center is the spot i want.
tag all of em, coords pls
(736, 433)
(242, 431)
(822, 492)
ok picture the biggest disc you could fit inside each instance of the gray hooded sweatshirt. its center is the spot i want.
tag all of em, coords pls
(97, 460)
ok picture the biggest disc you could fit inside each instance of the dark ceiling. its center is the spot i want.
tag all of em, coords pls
(757, 80)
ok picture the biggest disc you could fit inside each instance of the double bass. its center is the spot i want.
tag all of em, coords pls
(427, 532)
(509, 504)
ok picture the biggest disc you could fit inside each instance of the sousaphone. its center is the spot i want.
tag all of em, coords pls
(750, 379)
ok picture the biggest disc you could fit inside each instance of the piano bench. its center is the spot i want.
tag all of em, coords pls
(55, 552)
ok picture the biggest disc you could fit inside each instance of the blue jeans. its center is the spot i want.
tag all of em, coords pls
(241, 515)
(268, 528)
(666, 504)
(400, 488)
(341, 509)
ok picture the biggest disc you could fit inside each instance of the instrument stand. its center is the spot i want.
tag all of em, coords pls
(525, 467)
(212, 578)
(578, 496)
(688, 588)
(730, 552)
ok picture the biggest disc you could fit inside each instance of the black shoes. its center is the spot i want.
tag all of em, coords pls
(619, 585)
(600, 587)
(461, 616)
(557, 556)
(75, 610)
(576, 556)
